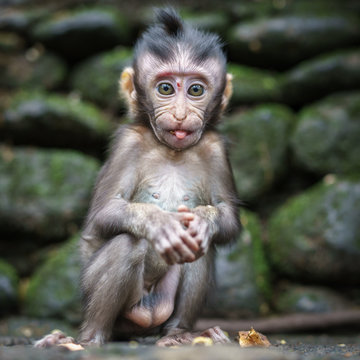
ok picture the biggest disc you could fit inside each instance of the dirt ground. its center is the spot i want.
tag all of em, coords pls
(284, 347)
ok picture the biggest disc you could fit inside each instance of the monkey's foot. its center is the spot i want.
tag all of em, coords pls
(57, 337)
(186, 338)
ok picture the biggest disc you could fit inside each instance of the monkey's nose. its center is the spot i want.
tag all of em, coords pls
(180, 117)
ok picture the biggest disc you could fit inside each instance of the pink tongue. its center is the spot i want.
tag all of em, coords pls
(180, 134)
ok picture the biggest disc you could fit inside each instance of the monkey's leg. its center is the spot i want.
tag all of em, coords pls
(192, 293)
(112, 279)
(156, 307)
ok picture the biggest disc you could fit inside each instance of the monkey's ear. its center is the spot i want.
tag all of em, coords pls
(227, 92)
(127, 89)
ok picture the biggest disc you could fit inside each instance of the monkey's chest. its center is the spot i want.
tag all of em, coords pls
(170, 187)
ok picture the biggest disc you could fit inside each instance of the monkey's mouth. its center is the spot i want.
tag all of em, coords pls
(180, 134)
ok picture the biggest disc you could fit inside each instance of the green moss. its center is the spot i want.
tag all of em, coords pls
(102, 86)
(327, 134)
(64, 22)
(262, 273)
(242, 274)
(251, 85)
(262, 41)
(57, 170)
(46, 72)
(8, 271)
(315, 235)
(211, 21)
(8, 287)
(64, 122)
(315, 78)
(259, 142)
(48, 190)
(53, 289)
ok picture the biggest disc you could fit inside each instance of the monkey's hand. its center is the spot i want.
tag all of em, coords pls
(200, 231)
(172, 239)
(198, 228)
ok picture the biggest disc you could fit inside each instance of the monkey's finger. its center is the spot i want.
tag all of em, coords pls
(161, 248)
(186, 223)
(202, 233)
(173, 255)
(186, 216)
(186, 254)
(190, 242)
(183, 208)
(182, 250)
(193, 227)
(193, 231)
(204, 244)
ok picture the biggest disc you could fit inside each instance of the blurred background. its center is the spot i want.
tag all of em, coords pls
(294, 130)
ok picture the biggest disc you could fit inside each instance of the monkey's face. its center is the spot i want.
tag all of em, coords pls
(179, 96)
(180, 101)
(182, 94)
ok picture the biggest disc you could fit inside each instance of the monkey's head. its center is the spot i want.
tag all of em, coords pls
(178, 83)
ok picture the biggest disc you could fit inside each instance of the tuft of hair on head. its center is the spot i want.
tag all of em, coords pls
(170, 21)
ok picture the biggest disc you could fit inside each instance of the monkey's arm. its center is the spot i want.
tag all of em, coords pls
(112, 213)
(218, 221)
(222, 221)
(163, 229)
(219, 224)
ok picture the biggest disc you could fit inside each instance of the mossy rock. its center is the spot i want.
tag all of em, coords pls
(38, 70)
(102, 87)
(55, 121)
(8, 287)
(242, 11)
(216, 22)
(201, 18)
(309, 299)
(325, 74)
(44, 193)
(282, 41)
(258, 147)
(326, 139)
(25, 256)
(242, 274)
(252, 85)
(10, 42)
(315, 236)
(320, 7)
(265, 9)
(53, 291)
(83, 32)
(21, 20)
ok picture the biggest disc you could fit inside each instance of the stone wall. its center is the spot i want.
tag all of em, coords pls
(293, 126)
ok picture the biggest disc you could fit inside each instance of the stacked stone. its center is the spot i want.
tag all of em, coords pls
(293, 126)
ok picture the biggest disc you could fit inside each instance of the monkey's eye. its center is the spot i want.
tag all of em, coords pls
(165, 89)
(196, 90)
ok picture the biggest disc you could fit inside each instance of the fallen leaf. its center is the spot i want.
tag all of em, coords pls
(72, 347)
(253, 338)
(202, 340)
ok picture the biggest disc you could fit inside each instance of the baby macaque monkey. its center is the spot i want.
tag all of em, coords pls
(166, 195)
